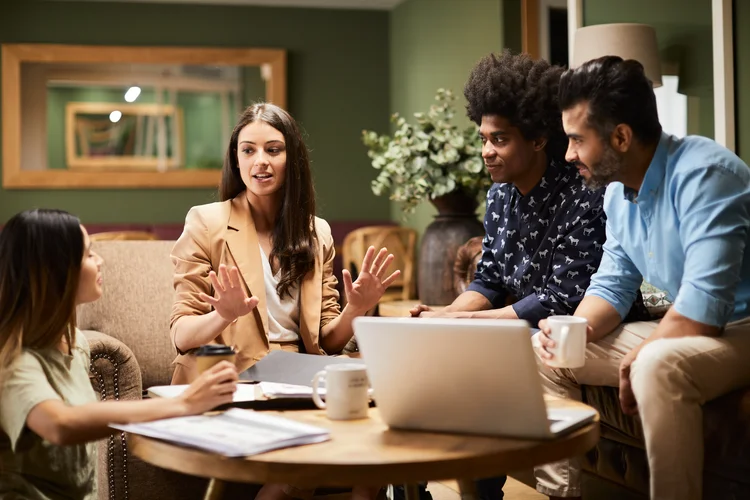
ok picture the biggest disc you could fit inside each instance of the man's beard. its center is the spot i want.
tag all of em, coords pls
(606, 170)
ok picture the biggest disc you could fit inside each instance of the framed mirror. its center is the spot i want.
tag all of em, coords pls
(110, 136)
(127, 117)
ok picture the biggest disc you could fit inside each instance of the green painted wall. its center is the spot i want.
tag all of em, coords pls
(742, 76)
(338, 79)
(512, 25)
(435, 43)
(683, 31)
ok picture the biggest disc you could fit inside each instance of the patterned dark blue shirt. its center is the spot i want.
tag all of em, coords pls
(541, 248)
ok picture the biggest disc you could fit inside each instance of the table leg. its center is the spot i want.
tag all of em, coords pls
(411, 491)
(215, 490)
(468, 489)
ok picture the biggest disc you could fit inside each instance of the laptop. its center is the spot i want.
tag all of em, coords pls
(470, 376)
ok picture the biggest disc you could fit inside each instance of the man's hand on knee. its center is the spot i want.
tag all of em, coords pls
(627, 398)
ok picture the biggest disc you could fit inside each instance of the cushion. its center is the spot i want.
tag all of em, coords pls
(655, 300)
(136, 303)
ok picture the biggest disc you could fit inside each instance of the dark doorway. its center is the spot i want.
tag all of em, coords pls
(558, 36)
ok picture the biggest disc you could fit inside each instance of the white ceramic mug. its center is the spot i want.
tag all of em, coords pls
(346, 391)
(569, 334)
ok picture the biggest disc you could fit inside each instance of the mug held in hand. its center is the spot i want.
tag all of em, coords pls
(569, 334)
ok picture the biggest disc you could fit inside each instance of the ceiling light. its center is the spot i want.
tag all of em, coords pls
(115, 116)
(132, 93)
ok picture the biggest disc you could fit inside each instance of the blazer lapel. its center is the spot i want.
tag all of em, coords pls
(242, 242)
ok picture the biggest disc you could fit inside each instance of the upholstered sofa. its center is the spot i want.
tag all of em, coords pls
(617, 466)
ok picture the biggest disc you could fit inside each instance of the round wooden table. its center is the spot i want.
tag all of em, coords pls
(367, 453)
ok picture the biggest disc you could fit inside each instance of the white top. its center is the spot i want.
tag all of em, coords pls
(283, 315)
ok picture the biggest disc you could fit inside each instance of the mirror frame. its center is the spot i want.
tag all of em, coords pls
(272, 61)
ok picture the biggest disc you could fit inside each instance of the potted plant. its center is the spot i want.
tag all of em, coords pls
(429, 159)
(433, 160)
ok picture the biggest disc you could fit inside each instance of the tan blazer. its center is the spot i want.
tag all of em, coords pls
(224, 233)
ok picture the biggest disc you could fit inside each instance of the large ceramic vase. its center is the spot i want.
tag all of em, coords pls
(454, 224)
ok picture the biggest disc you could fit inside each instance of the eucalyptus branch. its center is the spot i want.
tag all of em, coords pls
(428, 159)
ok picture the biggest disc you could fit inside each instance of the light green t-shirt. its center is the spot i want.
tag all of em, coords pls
(30, 467)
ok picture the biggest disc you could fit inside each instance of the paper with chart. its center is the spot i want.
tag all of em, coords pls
(234, 433)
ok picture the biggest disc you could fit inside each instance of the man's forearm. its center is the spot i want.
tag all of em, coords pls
(469, 301)
(476, 306)
(506, 312)
(602, 317)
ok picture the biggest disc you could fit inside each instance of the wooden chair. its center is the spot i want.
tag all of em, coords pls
(400, 241)
(123, 235)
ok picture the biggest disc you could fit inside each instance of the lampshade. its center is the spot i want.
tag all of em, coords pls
(627, 40)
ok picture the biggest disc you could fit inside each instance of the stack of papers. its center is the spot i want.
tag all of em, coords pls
(247, 392)
(244, 392)
(276, 390)
(234, 433)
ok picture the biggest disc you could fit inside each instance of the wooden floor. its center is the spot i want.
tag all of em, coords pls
(514, 490)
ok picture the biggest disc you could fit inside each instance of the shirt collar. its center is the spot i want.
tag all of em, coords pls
(655, 172)
(548, 180)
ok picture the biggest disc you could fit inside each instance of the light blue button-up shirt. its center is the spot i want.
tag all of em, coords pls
(685, 232)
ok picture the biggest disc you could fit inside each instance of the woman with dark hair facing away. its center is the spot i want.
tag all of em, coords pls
(49, 414)
(255, 270)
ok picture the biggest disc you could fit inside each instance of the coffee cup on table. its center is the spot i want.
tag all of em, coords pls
(569, 334)
(346, 391)
(210, 354)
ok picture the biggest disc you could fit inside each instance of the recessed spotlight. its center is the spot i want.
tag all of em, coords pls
(115, 116)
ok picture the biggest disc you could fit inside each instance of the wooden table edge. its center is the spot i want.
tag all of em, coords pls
(209, 465)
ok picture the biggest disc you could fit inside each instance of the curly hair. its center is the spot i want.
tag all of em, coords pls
(523, 91)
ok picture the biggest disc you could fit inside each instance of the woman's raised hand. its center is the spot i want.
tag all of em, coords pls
(230, 300)
(364, 294)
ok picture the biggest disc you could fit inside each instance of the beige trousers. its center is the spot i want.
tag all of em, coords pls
(671, 379)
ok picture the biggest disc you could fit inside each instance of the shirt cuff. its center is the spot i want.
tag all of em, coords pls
(702, 307)
(531, 309)
(496, 297)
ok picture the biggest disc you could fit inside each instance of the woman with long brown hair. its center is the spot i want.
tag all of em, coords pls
(49, 414)
(255, 271)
